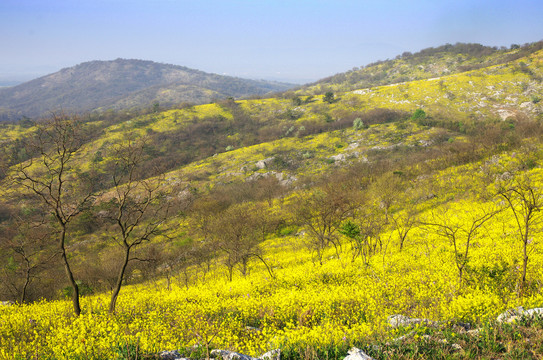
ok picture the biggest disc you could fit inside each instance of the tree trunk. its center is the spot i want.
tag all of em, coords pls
(119, 283)
(524, 258)
(69, 273)
(23, 293)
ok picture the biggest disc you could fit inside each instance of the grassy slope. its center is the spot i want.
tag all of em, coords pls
(307, 309)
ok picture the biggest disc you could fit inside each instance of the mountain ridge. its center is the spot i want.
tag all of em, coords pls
(118, 84)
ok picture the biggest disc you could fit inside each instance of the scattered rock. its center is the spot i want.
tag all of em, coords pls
(474, 332)
(352, 146)
(271, 355)
(338, 157)
(6, 303)
(513, 315)
(252, 329)
(509, 316)
(505, 114)
(357, 354)
(230, 355)
(262, 164)
(456, 347)
(528, 105)
(402, 320)
(170, 355)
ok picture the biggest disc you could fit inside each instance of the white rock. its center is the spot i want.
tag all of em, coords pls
(170, 355)
(510, 315)
(514, 315)
(456, 347)
(271, 355)
(264, 163)
(230, 355)
(357, 354)
(338, 157)
(402, 320)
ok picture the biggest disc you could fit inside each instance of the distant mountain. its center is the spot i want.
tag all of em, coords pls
(121, 84)
(428, 63)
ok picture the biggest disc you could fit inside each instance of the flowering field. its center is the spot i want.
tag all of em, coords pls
(296, 222)
(304, 306)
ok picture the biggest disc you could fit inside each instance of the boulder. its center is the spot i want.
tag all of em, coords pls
(262, 164)
(230, 355)
(513, 315)
(357, 354)
(338, 157)
(170, 355)
(398, 320)
(271, 355)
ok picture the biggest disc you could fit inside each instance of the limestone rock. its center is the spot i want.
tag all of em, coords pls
(510, 315)
(338, 157)
(357, 354)
(398, 320)
(262, 164)
(230, 355)
(513, 315)
(271, 355)
(170, 355)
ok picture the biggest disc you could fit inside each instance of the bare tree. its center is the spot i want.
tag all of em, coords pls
(138, 206)
(322, 213)
(50, 175)
(461, 226)
(404, 222)
(26, 242)
(237, 232)
(524, 198)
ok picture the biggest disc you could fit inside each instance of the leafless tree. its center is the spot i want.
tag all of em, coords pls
(524, 198)
(50, 175)
(321, 212)
(138, 207)
(237, 233)
(461, 228)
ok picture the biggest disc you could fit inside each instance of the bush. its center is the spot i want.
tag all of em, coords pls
(419, 114)
(358, 124)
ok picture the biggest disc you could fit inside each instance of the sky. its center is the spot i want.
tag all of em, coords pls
(287, 40)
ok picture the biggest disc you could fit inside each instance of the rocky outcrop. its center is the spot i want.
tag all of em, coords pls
(224, 354)
(262, 164)
(357, 354)
(514, 315)
(402, 320)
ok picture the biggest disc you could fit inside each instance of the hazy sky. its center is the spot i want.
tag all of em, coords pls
(291, 40)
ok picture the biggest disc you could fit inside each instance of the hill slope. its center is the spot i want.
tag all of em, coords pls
(294, 223)
(428, 63)
(121, 84)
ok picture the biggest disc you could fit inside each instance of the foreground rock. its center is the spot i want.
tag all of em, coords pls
(402, 320)
(357, 354)
(232, 355)
(171, 355)
(224, 354)
(513, 315)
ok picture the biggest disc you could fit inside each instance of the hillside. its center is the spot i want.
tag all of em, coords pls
(123, 84)
(298, 222)
(425, 64)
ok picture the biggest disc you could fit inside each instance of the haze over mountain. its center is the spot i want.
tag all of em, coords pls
(121, 84)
